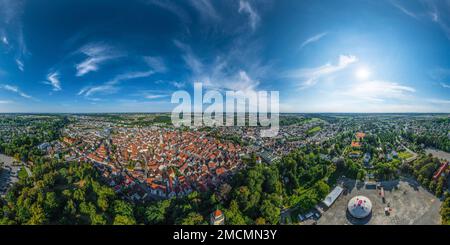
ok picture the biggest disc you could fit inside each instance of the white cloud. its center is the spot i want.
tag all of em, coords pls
(130, 75)
(10, 16)
(155, 96)
(53, 80)
(436, 11)
(15, 89)
(96, 99)
(178, 84)
(156, 63)
(313, 39)
(97, 54)
(378, 91)
(100, 89)
(5, 40)
(171, 7)
(111, 87)
(445, 85)
(235, 70)
(434, 16)
(309, 77)
(6, 102)
(83, 90)
(245, 7)
(191, 60)
(404, 10)
(439, 101)
(439, 74)
(20, 65)
(88, 65)
(205, 8)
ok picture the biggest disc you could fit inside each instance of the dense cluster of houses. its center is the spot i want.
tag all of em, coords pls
(167, 162)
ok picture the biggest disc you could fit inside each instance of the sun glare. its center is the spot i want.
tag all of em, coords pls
(362, 73)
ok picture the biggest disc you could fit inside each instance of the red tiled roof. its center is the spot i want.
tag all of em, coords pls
(217, 213)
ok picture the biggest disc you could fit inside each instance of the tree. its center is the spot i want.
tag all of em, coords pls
(260, 221)
(445, 211)
(270, 212)
(440, 186)
(156, 213)
(224, 190)
(123, 208)
(322, 189)
(233, 215)
(51, 204)
(37, 215)
(124, 220)
(432, 186)
(98, 219)
(193, 218)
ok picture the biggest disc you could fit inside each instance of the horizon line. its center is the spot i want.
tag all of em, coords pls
(168, 112)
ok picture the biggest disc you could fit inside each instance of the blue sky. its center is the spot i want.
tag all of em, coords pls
(130, 56)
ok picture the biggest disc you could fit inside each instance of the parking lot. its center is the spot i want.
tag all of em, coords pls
(9, 173)
(410, 205)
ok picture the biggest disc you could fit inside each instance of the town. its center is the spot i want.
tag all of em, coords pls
(144, 159)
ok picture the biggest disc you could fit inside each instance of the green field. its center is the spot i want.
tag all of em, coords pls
(404, 155)
(313, 130)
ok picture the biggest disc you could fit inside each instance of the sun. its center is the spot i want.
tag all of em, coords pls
(362, 73)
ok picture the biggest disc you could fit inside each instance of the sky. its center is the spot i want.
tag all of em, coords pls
(130, 56)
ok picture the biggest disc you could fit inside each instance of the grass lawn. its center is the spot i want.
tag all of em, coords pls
(404, 155)
(313, 130)
(23, 173)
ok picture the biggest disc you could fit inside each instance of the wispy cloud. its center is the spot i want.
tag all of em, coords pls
(111, 86)
(100, 89)
(313, 39)
(97, 54)
(178, 84)
(439, 101)
(20, 64)
(191, 60)
(403, 9)
(309, 77)
(5, 102)
(378, 91)
(15, 89)
(205, 8)
(156, 63)
(171, 7)
(245, 7)
(439, 74)
(53, 80)
(5, 40)
(11, 29)
(155, 96)
(219, 73)
(436, 11)
(445, 85)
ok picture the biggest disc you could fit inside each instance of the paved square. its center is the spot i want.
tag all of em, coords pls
(410, 203)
